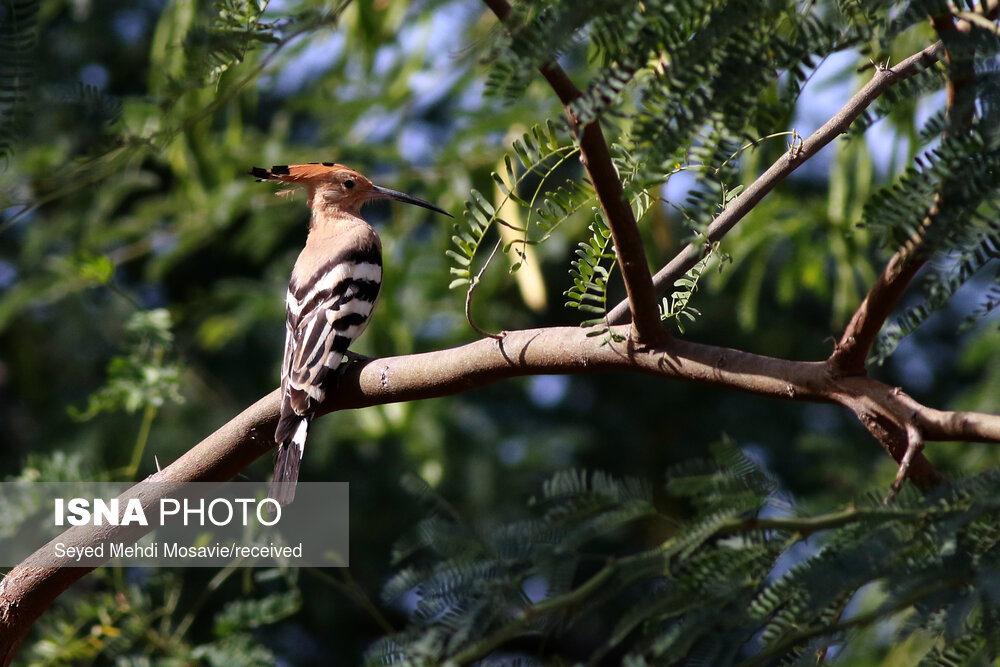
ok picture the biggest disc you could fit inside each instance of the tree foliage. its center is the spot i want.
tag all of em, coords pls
(736, 582)
(141, 276)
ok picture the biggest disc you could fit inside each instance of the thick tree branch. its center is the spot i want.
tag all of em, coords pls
(28, 590)
(782, 167)
(596, 159)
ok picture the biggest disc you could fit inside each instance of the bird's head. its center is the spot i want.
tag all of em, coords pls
(334, 186)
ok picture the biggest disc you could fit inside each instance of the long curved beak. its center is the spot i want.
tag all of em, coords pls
(385, 193)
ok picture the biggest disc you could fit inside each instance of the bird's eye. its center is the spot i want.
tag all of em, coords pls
(348, 184)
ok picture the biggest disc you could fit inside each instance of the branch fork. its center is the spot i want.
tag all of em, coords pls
(914, 446)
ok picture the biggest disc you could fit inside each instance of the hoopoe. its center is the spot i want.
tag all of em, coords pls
(331, 295)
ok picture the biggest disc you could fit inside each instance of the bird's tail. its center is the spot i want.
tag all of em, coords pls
(286, 464)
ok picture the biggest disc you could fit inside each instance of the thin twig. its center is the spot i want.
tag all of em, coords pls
(782, 167)
(94, 170)
(914, 445)
(353, 591)
(468, 296)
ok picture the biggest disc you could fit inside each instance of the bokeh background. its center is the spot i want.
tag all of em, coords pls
(142, 274)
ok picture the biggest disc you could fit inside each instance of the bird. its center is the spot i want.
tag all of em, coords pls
(333, 289)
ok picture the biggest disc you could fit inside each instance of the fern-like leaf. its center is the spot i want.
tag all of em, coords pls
(539, 153)
(590, 273)
(18, 36)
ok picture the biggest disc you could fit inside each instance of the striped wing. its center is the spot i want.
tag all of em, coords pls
(323, 317)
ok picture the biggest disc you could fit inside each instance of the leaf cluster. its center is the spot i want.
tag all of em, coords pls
(145, 376)
(686, 84)
(539, 155)
(18, 36)
(128, 623)
(947, 207)
(681, 86)
(745, 579)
